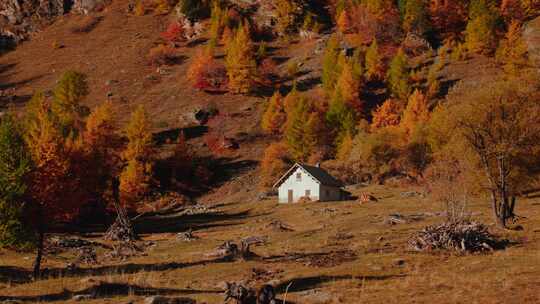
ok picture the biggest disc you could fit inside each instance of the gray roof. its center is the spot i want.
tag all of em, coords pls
(316, 172)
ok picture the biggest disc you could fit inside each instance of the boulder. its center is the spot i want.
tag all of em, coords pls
(531, 35)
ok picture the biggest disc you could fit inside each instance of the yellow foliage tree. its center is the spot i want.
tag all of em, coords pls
(416, 113)
(136, 178)
(512, 51)
(240, 62)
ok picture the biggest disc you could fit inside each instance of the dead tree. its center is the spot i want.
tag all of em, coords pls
(122, 228)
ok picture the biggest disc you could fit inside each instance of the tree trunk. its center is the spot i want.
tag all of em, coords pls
(39, 255)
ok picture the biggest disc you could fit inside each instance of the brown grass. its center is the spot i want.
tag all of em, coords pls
(86, 24)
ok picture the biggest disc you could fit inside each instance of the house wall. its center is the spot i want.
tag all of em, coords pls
(299, 187)
(329, 193)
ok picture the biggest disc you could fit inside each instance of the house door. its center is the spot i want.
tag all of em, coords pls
(290, 198)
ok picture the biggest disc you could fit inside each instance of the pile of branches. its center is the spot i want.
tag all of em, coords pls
(120, 231)
(87, 255)
(461, 236)
(124, 250)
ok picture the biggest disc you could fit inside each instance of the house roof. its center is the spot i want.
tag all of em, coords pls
(317, 173)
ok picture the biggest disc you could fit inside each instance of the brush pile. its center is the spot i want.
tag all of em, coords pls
(461, 236)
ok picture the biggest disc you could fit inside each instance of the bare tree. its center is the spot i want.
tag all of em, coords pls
(500, 124)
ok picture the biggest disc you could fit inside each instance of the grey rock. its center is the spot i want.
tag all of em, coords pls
(82, 297)
(165, 300)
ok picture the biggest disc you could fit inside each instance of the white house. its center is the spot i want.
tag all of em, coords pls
(308, 181)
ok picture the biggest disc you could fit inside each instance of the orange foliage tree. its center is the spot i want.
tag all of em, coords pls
(386, 115)
(55, 192)
(275, 162)
(274, 118)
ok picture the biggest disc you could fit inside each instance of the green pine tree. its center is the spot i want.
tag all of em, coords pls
(15, 165)
(398, 76)
(331, 67)
(374, 63)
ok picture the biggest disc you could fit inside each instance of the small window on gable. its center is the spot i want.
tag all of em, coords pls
(298, 177)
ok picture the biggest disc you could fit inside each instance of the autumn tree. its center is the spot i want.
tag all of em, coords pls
(303, 128)
(136, 177)
(341, 118)
(374, 63)
(344, 22)
(448, 18)
(15, 166)
(71, 89)
(286, 15)
(275, 162)
(386, 115)
(416, 113)
(398, 76)
(274, 118)
(331, 67)
(512, 51)
(415, 18)
(240, 62)
(55, 191)
(498, 127)
(480, 31)
(349, 84)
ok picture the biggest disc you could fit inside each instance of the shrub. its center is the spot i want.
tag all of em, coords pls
(161, 54)
(174, 32)
(205, 73)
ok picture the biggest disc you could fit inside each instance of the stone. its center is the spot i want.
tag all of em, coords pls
(79, 298)
(531, 35)
(165, 300)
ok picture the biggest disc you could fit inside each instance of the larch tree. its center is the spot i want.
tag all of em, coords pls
(68, 94)
(416, 113)
(240, 62)
(274, 118)
(331, 67)
(386, 115)
(136, 177)
(275, 162)
(374, 63)
(286, 13)
(349, 85)
(512, 51)
(303, 129)
(15, 166)
(481, 28)
(398, 76)
(55, 192)
(415, 18)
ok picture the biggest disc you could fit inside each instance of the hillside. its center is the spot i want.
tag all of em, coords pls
(427, 111)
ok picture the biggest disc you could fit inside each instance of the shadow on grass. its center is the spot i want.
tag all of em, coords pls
(307, 283)
(110, 290)
(21, 275)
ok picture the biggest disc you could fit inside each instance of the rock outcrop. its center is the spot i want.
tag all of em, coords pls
(531, 35)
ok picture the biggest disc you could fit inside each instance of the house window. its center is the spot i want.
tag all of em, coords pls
(308, 193)
(298, 177)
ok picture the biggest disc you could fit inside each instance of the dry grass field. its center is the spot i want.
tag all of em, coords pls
(339, 252)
